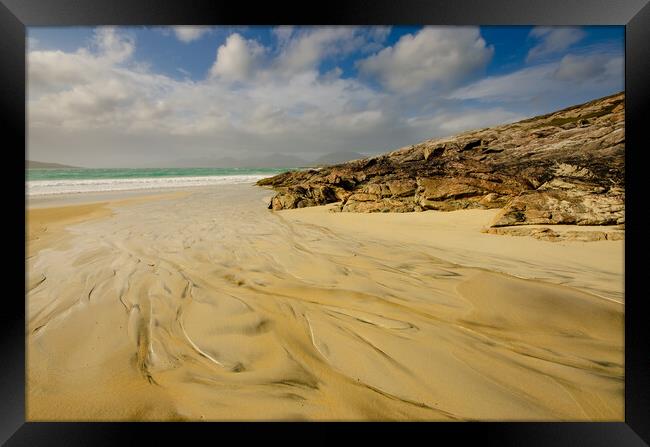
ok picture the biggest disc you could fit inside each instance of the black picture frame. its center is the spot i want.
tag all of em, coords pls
(16, 15)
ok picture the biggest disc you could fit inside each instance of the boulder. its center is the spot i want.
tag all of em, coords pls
(303, 196)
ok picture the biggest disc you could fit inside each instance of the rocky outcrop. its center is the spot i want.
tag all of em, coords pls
(566, 167)
(554, 235)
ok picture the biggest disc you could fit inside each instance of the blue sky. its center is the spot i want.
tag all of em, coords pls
(153, 95)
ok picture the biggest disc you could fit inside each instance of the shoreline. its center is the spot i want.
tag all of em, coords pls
(92, 197)
(46, 220)
(204, 305)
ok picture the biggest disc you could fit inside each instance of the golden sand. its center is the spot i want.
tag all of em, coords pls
(207, 306)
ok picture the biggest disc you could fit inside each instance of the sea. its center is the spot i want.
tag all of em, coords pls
(43, 182)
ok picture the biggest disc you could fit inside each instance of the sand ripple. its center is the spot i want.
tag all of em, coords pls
(210, 307)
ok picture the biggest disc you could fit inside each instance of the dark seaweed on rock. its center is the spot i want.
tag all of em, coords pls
(565, 167)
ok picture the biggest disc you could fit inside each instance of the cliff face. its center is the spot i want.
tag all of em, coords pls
(566, 167)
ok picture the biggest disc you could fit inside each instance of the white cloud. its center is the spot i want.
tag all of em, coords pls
(298, 51)
(189, 34)
(435, 55)
(237, 58)
(113, 46)
(332, 74)
(305, 50)
(52, 68)
(283, 34)
(98, 106)
(48, 70)
(520, 85)
(571, 79)
(553, 40)
(455, 121)
(582, 68)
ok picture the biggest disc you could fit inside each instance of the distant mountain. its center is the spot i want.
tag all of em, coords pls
(43, 165)
(337, 157)
(267, 161)
(275, 160)
(281, 161)
(203, 162)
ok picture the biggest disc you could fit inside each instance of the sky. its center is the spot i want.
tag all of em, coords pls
(160, 96)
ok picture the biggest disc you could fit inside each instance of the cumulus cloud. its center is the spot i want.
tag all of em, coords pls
(298, 51)
(553, 40)
(52, 69)
(306, 49)
(99, 106)
(114, 46)
(434, 55)
(237, 58)
(189, 34)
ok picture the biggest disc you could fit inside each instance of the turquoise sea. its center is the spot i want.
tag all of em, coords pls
(79, 180)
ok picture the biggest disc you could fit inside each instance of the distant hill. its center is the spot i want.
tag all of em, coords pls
(275, 160)
(281, 161)
(43, 165)
(336, 158)
(267, 161)
(203, 162)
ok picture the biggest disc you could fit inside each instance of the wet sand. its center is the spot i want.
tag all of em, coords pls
(207, 306)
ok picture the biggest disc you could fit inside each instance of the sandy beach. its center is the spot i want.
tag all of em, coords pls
(204, 305)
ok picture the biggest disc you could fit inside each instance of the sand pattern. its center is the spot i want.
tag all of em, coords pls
(210, 307)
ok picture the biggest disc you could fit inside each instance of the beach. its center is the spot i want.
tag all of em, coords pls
(201, 304)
